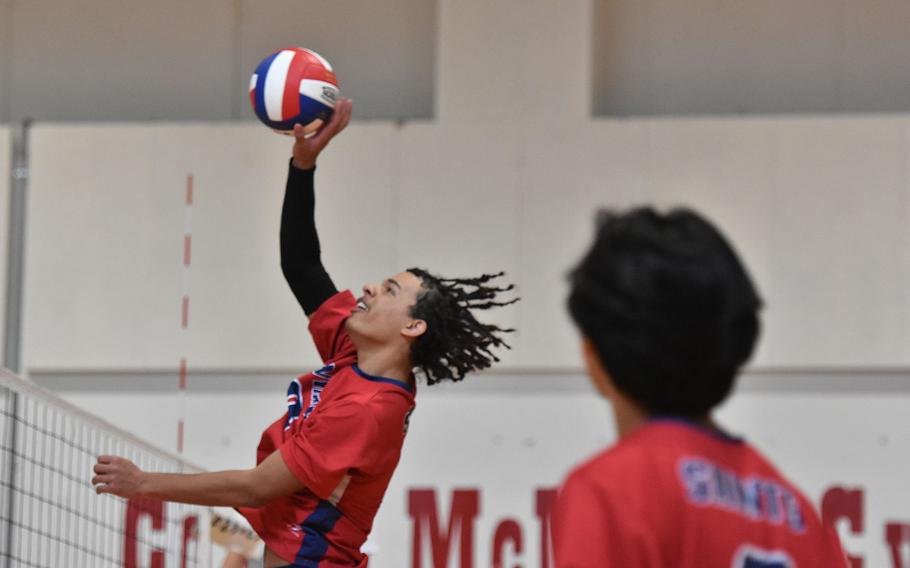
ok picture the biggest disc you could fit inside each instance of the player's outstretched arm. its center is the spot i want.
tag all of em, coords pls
(301, 261)
(270, 480)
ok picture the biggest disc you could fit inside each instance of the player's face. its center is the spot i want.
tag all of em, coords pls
(383, 313)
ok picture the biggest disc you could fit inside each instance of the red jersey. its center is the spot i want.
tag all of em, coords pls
(341, 437)
(675, 494)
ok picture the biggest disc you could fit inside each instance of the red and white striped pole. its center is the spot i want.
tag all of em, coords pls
(185, 308)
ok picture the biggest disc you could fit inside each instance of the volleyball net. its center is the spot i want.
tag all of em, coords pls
(50, 515)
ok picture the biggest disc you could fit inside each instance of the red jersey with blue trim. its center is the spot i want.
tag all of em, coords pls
(341, 437)
(676, 494)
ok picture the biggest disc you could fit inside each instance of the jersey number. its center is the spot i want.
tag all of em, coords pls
(752, 557)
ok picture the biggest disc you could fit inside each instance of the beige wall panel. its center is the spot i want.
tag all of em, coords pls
(126, 60)
(356, 205)
(457, 202)
(239, 307)
(244, 314)
(5, 59)
(569, 173)
(817, 207)
(722, 169)
(4, 223)
(906, 258)
(479, 74)
(539, 74)
(383, 52)
(555, 60)
(727, 57)
(838, 241)
(106, 234)
(874, 55)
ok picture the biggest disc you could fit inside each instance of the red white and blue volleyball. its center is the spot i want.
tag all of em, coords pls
(294, 86)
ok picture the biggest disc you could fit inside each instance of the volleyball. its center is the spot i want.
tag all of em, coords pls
(294, 86)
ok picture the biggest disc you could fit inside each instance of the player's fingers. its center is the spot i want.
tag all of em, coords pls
(346, 112)
(340, 119)
(103, 468)
(323, 136)
(98, 479)
(99, 489)
(332, 127)
(105, 459)
(342, 109)
(298, 132)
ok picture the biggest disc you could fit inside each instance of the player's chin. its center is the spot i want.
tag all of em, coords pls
(354, 323)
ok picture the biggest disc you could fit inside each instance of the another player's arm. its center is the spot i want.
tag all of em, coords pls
(255, 487)
(301, 261)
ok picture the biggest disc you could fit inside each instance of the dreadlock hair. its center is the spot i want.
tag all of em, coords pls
(455, 343)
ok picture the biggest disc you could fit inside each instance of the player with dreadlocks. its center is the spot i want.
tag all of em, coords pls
(324, 466)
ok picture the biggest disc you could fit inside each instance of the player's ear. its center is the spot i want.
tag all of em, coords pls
(414, 328)
(596, 371)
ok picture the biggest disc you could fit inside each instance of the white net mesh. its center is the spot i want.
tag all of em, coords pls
(49, 513)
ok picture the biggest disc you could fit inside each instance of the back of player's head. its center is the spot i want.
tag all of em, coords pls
(669, 308)
(455, 342)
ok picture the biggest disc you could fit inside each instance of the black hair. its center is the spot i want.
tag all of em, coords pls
(669, 307)
(455, 342)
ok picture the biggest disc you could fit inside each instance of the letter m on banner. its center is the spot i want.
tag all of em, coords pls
(425, 518)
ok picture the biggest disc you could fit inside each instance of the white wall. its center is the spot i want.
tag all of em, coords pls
(505, 178)
(818, 207)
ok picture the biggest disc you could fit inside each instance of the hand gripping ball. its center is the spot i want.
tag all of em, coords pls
(294, 86)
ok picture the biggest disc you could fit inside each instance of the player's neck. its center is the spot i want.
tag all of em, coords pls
(383, 361)
(627, 415)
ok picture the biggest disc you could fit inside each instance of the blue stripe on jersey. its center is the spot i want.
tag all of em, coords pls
(320, 522)
(402, 384)
(294, 407)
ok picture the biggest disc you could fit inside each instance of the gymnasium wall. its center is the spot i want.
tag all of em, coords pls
(818, 207)
(171, 60)
(4, 220)
(174, 60)
(656, 57)
(504, 171)
(506, 176)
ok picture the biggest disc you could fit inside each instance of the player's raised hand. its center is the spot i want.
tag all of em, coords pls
(306, 150)
(117, 476)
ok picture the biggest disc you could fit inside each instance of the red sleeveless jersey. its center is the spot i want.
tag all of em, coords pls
(675, 494)
(341, 437)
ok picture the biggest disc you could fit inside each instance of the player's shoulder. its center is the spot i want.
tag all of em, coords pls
(376, 395)
(644, 457)
(613, 467)
(769, 471)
